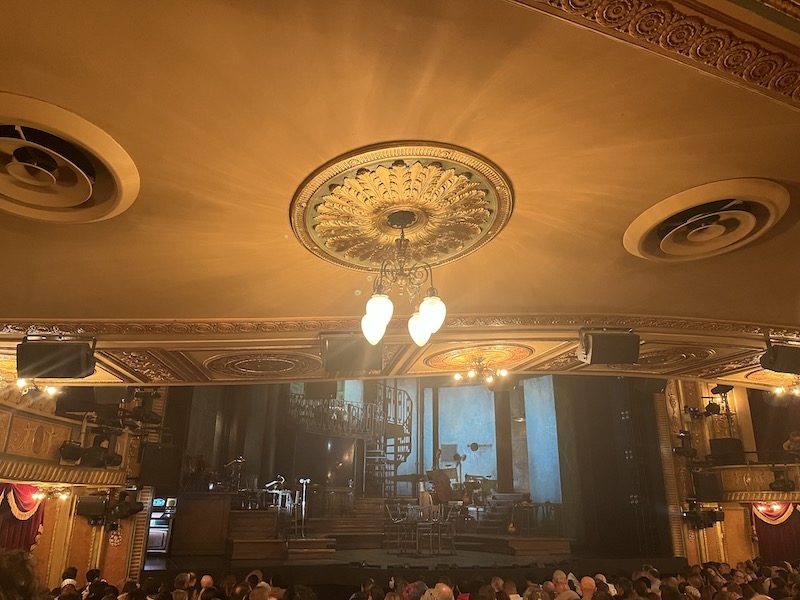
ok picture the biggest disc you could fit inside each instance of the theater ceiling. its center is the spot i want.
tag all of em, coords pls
(638, 165)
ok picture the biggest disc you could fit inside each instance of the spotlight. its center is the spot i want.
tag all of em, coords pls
(781, 482)
(712, 408)
(71, 450)
(720, 389)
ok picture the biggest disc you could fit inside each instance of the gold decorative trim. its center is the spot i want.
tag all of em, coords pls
(790, 8)
(761, 497)
(146, 365)
(17, 470)
(459, 201)
(273, 326)
(690, 38)
(497, 355)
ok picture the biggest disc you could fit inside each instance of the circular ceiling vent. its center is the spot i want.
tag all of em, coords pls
(707, 220)
(56, 166)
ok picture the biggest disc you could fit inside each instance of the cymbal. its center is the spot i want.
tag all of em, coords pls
(412, 478)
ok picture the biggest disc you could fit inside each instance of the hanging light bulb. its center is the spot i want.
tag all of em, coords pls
(380, 307)
(432, 310)
(458, 377)
(418, 330)
(471, 373)
(489, 378)
(372, 328)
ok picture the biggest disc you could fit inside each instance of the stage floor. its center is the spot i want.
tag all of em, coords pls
(346, 569)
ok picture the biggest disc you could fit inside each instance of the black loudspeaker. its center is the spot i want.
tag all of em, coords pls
(91, 506)
(727, 451)
(350, 353)
(159, 467)
(707, 487)
(60, 359)
(782, 358)
(608, 347)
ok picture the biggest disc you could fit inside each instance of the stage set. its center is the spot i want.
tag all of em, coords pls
(396, 490)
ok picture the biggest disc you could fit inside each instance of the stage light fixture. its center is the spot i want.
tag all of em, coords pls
(781, 482)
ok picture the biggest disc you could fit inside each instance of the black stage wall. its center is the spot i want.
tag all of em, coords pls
(611, 473)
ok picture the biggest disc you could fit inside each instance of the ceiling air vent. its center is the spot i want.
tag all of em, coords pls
(55, 166)
(707, 220)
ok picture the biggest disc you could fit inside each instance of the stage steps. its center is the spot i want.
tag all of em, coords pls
(310, 548)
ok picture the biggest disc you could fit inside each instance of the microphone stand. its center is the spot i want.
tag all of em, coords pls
(304, 482)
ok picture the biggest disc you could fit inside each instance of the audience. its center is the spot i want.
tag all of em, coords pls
(751, 580)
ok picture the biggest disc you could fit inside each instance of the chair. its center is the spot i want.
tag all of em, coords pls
(392, 528)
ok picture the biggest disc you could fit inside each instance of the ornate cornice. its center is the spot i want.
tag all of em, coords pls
(761, 497)
(698, 40)
(257, 327)
(17, 470)
(790, 8)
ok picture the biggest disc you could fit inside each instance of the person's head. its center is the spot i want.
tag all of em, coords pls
(392, 596)
(559, 577)
(206, 581)
(734, 589)
(444, 590)
(70, 573)
(17, 579)
(92, 575)
(376, 593)
(260, 593)
(240, 591)
(150, 586)
(181, 581)
(588, 587)
(414, 591)
(510, 586)
(669, 592)
(299, 592)
(129, 586)
(497, 583)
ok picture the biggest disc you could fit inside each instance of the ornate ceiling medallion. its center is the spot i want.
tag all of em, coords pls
(499, 355)
(458, 200)
(260, 364)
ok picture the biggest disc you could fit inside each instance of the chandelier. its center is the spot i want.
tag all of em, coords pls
(396, 273)
(480, 370)
(788, 389)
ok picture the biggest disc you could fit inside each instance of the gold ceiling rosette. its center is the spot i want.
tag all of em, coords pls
(458, 199)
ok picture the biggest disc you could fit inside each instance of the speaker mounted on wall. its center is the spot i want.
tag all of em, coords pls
(350, 353)
(55, 357)
(782, 358)
(608, 346)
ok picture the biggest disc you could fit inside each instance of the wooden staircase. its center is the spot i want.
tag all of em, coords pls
(362, 528)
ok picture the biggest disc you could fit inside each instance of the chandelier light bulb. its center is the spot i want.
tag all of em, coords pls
(21, 383)
(433, 311)
(418, 330)
(502, 372)
(489, 378)
(458, 377)
(471, 373)
(381, 308)
(372, 328)
(780, 389)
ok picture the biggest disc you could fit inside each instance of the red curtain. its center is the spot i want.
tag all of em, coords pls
(779, 542)
(22, 520)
